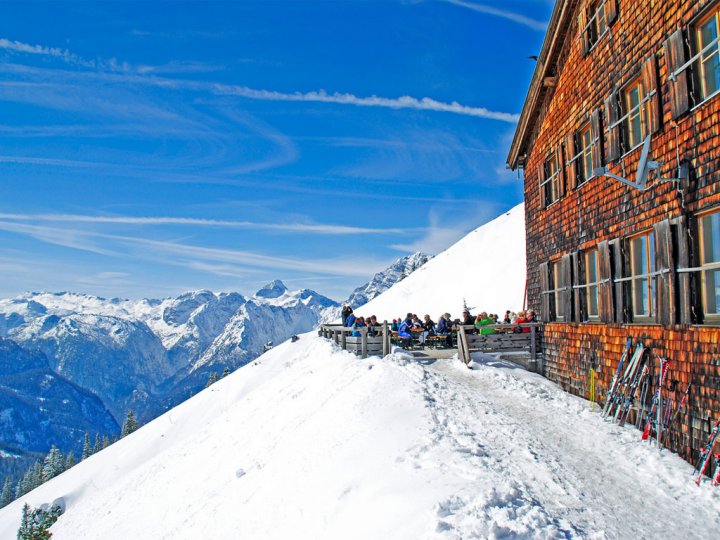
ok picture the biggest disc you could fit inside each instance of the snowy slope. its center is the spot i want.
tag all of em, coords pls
(486, 268)
(311, 442)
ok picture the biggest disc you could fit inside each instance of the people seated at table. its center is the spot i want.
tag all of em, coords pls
(483, 324)
(346, 311)
(358, 323)
(443, 328)
(523, 318)
(404, 330)
(372, 325)
(428, 324)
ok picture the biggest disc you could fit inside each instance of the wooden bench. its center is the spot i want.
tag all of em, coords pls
(505, 339)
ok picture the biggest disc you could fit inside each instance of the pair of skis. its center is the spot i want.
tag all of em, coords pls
(706, 454)
(610, 396)
(655, 416)
(624, 388)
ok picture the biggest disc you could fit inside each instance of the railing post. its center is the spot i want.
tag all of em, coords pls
(386, 339)
(343, 339)
(363, 334)
(533, 343)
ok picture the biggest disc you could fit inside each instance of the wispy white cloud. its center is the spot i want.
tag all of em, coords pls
(40, 50)
(403, 102)
(143, 75)
(305, 228)
(444, 230)
(188, 255)
(505, 14)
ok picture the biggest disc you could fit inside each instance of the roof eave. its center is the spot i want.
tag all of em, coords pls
(554, 38)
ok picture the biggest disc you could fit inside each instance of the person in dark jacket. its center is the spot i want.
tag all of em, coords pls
(346, 310)
(467, 319)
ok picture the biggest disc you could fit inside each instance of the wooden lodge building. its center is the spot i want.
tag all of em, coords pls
(606, 259)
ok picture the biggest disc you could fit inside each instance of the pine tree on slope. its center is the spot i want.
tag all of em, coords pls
(212, 379)
(129, 425)
(87, 450)
(6, 497)
(96, 446)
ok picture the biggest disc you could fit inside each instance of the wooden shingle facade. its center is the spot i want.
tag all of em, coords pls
(606, 260)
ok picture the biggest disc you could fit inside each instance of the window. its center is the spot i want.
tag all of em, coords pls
(595, 21)
(634, 118)
(642, 275)
(592, 281)
(550, 180)
(587, 165)
(556, 300)
(709, 233)
(598, 24)
(693, 60)
(708, 62)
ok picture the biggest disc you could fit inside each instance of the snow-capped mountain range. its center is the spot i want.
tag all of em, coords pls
(88, 360)
(140, 355)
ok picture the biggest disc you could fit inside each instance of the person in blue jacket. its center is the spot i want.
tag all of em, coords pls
(404, 331)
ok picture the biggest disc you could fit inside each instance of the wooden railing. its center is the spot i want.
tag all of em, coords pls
(503, 340)
(468, 340)
(365, 345)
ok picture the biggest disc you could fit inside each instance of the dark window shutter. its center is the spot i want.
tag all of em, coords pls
(583, 29)
(596, 134)
(619, 270)
(684, 279)
(676, 58)
(650, 84)
(612, 139)
(611, 11)
(665, 282)
(567, 283)
(578, 270)
(572, 165)
(541, 178)
(544, 296)
(561, 171)
(605, 289)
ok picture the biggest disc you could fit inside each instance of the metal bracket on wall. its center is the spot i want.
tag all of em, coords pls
(645, 167)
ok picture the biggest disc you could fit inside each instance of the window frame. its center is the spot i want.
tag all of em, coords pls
(705, 267)
(551, 179)
(588, 285)
(556, 302)
(648, 276)
(631, 112)
(596, 11)
(699, 50)
(585, 153)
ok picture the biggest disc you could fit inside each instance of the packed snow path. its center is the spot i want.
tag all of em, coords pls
(555, 469)
(311, 442)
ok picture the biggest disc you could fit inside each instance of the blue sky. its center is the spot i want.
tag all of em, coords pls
(153, 148)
